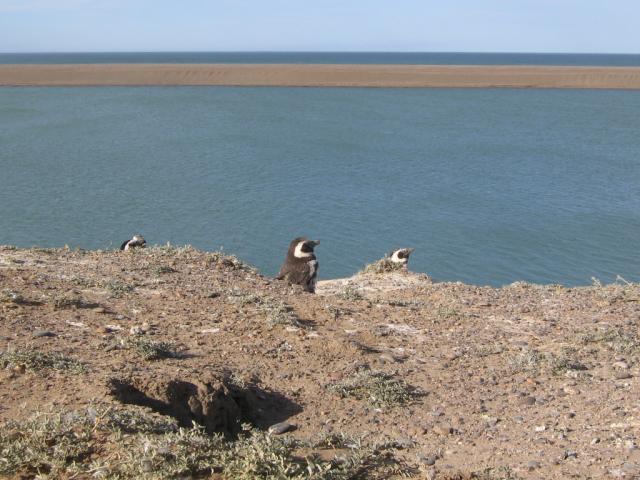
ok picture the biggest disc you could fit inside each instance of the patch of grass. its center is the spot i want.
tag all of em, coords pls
(526, 362)
(228, 261)
(117, 288)
(616, 339)
(279, 313)
(384, 265)
(9, 296)
(65, 301)
(36, 361)
(152, 349)
(262, 456)
(380, 389)
(351, 293)
(447, 312)
(124, 443)
(533, 361)
(162, 270)
(241, 298)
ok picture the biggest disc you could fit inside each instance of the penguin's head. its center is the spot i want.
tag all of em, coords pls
(137, 241)
(302, 247)
(401, 255)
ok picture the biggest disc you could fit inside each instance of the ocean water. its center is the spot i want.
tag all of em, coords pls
(490, 186)
(432, 58)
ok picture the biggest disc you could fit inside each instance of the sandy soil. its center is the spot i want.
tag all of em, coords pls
(540, 381)
(323, 75)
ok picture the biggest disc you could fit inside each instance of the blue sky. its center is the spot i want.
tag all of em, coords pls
(599, 26)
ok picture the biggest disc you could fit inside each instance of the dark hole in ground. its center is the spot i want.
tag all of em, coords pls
(216, 404)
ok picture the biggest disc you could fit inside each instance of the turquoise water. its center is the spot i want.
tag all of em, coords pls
(490, 186)
(433, 58)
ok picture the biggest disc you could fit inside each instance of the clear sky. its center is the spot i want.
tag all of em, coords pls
(598, 26)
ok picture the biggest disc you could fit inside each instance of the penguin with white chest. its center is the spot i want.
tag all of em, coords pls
(300, 266)
(137, 241)
(401, 256)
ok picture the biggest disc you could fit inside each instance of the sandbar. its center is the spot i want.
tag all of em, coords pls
(321, 75)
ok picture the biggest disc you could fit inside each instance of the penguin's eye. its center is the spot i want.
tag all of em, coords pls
(306, 248)
(402, 254)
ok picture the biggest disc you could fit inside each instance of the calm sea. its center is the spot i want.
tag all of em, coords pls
(433, 58)
(490, 186)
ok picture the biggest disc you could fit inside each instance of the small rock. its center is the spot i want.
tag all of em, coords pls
(428, 460)
(280, 428)
(570, 454)
(136, 330)
(44, 333)
(621, 365)
(532, 465)
(540, 428)
(443, 430)
(622, 375)
(595, 441)
(99, 310)
(528, 400)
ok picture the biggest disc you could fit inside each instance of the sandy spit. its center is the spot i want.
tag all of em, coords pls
(415, 76)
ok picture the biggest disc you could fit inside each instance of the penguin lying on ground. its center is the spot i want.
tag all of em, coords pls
(396, 260)
(300, 266)
(137, 241)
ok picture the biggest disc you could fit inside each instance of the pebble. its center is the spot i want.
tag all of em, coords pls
(622, 365)
(136, 330)
(99, 310)
(532, 465)
(595, 440)
(280, 428)
(428, 460)
(570, 454)
(44, 333)
(622, 375)
(540, 428)
(528, 400)
(443, 430)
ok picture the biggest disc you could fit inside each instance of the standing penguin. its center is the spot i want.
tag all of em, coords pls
(300, 266)
(135, 242)
(401, 256)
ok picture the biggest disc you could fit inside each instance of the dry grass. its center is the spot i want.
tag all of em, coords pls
(152, 349)
(384, 265)
(35, 361)
(124, 443)
(380, 389)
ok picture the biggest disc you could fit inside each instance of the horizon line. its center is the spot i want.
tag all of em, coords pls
(316, 51)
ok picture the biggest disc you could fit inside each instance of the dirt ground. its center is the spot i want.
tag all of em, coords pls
(524, 381)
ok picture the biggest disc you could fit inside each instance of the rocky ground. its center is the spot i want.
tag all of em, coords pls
(381, 375)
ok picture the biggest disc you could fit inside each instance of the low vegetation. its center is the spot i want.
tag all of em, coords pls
(133, 443)
(152, 349)
(34, 360)
(384, 265)
(379, 389)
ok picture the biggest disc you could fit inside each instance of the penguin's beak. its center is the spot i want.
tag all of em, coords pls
(314, 243)
(410, 250)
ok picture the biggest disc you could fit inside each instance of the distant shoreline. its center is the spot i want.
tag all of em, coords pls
(321, 75)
